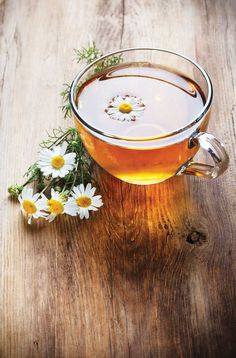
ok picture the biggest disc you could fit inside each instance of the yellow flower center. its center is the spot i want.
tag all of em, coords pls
(125, 108)
(55, 206)
(57, 161)
(84, 201)
(29, 206)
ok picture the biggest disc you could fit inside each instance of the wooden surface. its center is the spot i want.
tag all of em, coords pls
(152, 274)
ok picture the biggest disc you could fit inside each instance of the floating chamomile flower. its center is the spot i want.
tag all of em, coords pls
(125, 108)
(58, 205)
(84, 200)
(32, 205)
(55, 162)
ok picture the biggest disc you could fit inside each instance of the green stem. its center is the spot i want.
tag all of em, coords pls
(48, 186)
(28, 181)
(81, 171)
(73, 183)
(66, 182)
(59, 139)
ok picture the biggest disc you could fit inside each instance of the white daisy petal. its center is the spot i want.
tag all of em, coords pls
(51, 217)
(81, 188)
(71, 208)
(56, 150)
(81, 213)
(86, 214)
(74, 194)
(117, 101)
(47, 170)
(92, 191)
(35, 197)
(30, 219)
(42, 203)
(112, 111)
(43, 197)
(46, 152)
(63, 148)
(62, 173)
(49, 154)
(69, 158)
(71, 205)
(55, 173)
(138, 109)
(29, 193)
(55, 195)
(120, 117)
(41, 206)
(87, 189)
(96, 203)
(97, 197)
(40, 215)
(44, 164)
(23, 193)
(44, 161)
(68, 167)
(93, 208)
(46, 173)
(133, 101)
(77, 190)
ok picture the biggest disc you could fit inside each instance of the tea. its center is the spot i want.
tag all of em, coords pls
(138, 101)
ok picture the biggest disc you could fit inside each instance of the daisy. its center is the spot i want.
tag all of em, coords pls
(54, 161)
(31, 205)
(125, 108)
(57, 205)
(85, 200)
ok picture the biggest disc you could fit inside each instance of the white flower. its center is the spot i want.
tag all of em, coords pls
(54, 161)
(32, 204)
(125, 108)
(58, 205)
(84, 200)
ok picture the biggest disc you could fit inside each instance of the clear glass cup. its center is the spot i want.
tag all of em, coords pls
(148, 160)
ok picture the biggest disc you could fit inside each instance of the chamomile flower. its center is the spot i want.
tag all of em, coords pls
(125, 108)
(55, 162)
(85, 200)
(58, 205)
(32, 205)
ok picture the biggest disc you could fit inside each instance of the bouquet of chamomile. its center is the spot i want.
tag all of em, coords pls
(60, 182)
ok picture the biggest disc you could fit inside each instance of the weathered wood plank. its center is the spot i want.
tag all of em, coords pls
(152, 274)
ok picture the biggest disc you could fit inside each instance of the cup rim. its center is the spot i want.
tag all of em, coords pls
(197, 118)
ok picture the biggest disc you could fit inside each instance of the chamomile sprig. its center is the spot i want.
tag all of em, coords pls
(87, 55)
(62, 175)
(43, 173)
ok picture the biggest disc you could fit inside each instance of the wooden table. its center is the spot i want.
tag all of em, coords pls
(152, 274)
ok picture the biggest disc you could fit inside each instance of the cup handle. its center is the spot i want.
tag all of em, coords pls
(217, 152)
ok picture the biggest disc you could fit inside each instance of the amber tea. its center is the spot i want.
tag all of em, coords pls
(144, 119)
(139, 100)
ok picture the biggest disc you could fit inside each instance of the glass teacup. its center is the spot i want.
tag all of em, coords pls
(153, 154)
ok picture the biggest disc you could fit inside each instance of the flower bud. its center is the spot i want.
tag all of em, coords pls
(58, 188)
(15, 190)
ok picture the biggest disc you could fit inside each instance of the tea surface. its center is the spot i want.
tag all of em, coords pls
(167, 100)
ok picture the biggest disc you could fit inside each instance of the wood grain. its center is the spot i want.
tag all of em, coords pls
(152, 274)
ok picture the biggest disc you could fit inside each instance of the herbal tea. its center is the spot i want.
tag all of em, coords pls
(139, 100)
